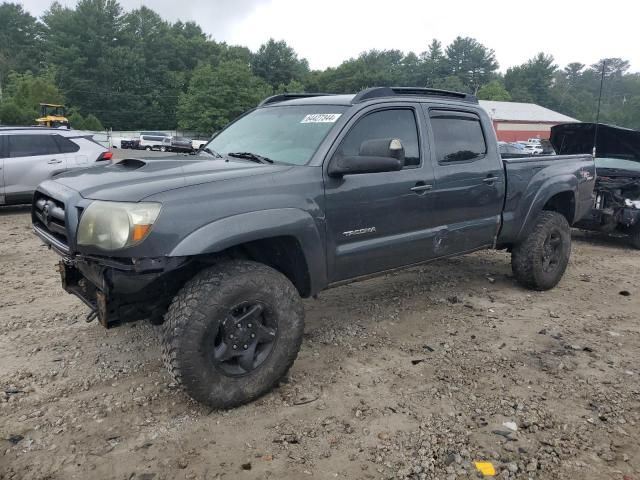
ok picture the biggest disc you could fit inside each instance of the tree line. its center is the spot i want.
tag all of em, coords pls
(134, 70)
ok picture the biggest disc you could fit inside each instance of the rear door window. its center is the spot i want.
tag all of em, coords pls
(4, 153)
(32, 145)
(66, 145)
(458, 136)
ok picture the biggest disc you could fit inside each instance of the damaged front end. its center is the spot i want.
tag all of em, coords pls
(121, 292)
(616, 205)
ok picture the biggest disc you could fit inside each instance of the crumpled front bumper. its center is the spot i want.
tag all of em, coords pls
(117, 291)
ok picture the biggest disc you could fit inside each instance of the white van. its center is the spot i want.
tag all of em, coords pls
(155, 141)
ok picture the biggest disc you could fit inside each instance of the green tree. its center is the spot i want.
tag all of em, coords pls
(375, 68)
(531, 81)
(83, 44)
(277, 63)
(20, 36)
(218, 95)
(12, 114)
(294, 86)
(451, 82)
(22, 96)
(92, 123)
(494, 90)
(434, 64)
(470, 61)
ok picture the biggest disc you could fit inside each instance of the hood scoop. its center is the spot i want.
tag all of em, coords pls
(131, 163)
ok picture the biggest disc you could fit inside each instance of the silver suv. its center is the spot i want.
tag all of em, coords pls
(30, 155)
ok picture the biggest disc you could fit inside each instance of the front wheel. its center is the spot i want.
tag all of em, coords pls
(163, 149)
(539, 262)
(232, 333)
(148, 149)
(634, 237)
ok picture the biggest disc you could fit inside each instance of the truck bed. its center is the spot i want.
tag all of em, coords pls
(528, 184)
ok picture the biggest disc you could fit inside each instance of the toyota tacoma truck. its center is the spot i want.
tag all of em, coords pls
(305, 192)
(616, 205)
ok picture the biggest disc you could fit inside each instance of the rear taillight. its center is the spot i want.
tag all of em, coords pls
(105, 156)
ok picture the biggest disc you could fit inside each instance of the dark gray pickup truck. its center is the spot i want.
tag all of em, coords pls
(305, 192)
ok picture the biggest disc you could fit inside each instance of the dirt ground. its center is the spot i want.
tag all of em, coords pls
(407, 376)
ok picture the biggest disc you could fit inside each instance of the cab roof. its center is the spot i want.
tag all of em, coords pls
(366, 95)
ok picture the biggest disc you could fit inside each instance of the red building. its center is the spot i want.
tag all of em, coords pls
(515, 121)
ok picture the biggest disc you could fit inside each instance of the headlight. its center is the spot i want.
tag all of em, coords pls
(116, 225)
(632, 203)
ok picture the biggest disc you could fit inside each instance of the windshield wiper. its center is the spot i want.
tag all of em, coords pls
(250, 156)
(211, 152)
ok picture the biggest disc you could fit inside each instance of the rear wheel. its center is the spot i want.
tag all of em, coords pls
(539, 262)
(148, 149)
(634, 237)
(232, 333)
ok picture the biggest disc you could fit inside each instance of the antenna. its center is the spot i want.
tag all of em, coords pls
(595, 133)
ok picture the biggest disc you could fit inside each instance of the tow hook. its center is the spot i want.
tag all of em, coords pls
(91, 316)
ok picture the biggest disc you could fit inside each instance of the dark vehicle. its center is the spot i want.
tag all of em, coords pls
(303, 193)
(133, 144)
(181, 144)
(616, 207)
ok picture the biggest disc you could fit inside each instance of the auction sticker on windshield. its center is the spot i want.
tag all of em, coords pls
(321, 118)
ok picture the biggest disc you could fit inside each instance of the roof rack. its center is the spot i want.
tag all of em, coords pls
(289, 96)
(378, 92)
(28, 127)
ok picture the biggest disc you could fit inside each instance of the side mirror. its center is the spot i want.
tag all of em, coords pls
(383, 147)
(375, 156)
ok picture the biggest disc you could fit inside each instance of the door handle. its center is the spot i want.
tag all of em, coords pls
(54, 161)
(421, 187)
(490, 180)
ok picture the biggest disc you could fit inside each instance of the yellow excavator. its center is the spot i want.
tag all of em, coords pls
(52, 115)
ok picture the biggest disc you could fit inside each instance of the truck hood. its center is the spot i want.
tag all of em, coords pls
(132, 180)
(612, 142)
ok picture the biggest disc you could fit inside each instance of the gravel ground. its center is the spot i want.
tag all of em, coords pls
(414, 375)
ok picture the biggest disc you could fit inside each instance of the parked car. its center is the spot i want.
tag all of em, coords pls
(133, 144)
(533, 149)
(508, 150)
(181, 144)
(154, 141)
(616, 205)
(304, 192)
(198, 144)
(29, 155)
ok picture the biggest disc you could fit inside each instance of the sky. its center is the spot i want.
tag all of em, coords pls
(328, 32)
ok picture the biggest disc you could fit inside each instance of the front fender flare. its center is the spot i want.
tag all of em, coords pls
(246, 227)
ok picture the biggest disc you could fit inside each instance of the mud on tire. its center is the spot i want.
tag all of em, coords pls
(539, 262)
(232, 332)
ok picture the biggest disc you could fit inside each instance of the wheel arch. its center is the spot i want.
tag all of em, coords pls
(287, 240)
(557, 195)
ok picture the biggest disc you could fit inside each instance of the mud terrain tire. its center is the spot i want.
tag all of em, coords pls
(232, 332)
(539, 262)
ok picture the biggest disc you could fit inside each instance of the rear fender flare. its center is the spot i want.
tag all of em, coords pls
(553, 186)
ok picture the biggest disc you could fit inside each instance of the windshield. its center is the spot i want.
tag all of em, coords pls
(618, 163)
(285, 134)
